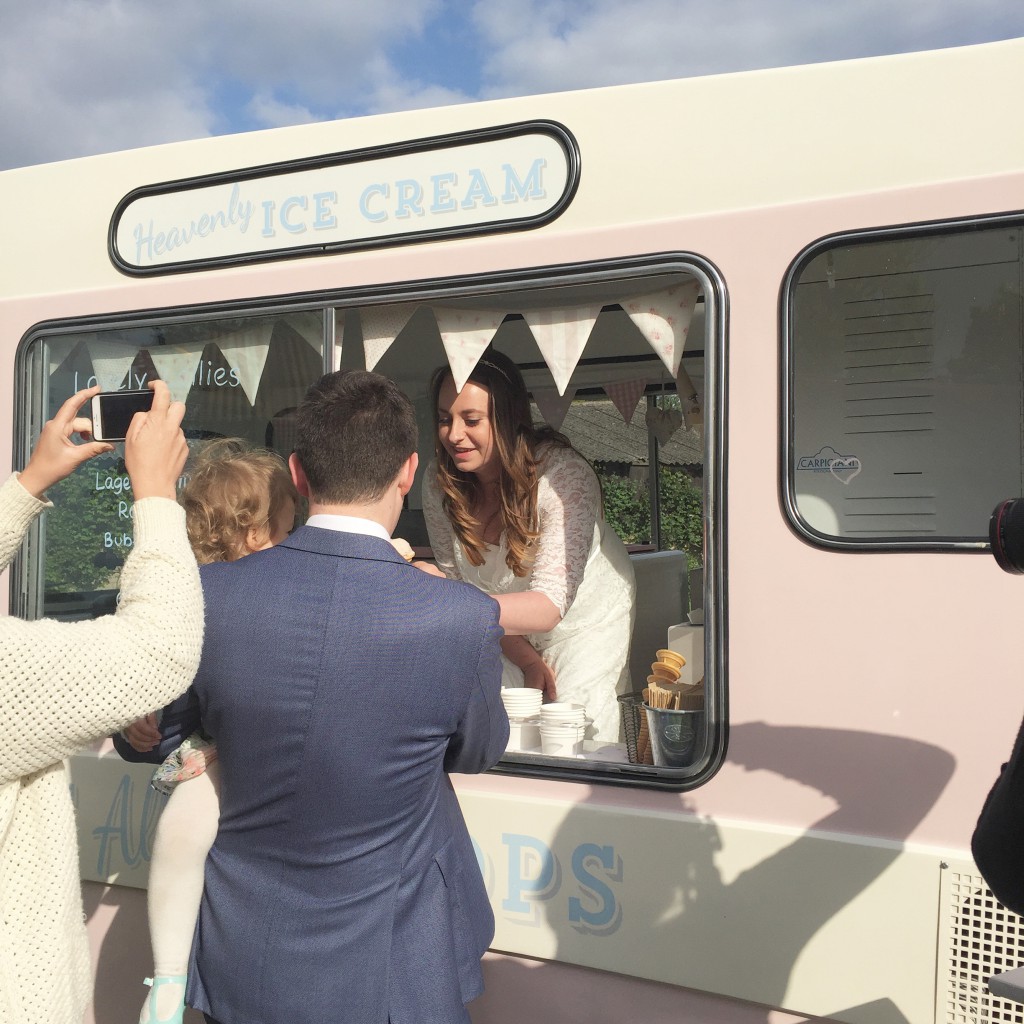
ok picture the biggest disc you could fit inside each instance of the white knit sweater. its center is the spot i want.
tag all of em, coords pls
(64, 685)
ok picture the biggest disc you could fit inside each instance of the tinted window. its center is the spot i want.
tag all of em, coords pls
(905, 386)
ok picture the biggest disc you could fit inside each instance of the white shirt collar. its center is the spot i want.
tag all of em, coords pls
(348, 524)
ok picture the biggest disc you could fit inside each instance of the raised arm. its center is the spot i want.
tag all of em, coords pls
(55, 456)
(63, 685)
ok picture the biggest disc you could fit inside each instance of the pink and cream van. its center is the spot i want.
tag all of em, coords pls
(794, 295)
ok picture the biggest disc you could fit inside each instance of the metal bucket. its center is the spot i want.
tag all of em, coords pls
(677, 737)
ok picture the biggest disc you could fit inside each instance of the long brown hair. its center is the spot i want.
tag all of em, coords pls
(520, 446)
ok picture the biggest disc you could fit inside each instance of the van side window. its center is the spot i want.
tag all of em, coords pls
(623, 359)
(904, 388)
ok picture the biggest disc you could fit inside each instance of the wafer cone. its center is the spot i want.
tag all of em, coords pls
(671, 657)
(643, 738)
(663, 668)
(643, 741)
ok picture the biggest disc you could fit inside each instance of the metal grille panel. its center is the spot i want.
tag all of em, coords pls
(978, 937)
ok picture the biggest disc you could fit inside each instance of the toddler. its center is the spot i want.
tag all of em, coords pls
(238, 500)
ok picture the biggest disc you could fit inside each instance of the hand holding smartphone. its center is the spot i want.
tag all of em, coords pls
(155, 449)
(154, 456)
(112, 412)
(55, 454)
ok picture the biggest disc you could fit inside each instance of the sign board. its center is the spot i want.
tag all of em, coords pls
(500, 179)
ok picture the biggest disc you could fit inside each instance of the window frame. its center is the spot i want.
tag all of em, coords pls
(26, 572)
(787, 483)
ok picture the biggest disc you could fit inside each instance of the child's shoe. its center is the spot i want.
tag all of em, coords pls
(169, 1000)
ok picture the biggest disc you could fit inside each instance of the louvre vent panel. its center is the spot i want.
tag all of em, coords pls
(978, 937)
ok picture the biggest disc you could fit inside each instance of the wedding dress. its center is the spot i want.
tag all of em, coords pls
(581, 565)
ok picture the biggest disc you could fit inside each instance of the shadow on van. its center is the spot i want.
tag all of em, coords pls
(741, 934)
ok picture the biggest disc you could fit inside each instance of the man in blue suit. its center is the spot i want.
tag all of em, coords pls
(342, 685)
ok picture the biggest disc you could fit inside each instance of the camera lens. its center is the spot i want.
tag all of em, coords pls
(1006, 534)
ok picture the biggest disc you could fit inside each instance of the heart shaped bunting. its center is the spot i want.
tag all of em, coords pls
(663, 423)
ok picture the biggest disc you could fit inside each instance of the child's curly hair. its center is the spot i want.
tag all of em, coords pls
(233, 488)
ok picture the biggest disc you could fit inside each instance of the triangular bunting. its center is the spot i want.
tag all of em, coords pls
(178, 366)
(561, 336)
(111, 361)
(381, 325)
(246, 352)
(339, 342)
(553, 405)
(664, 320)
(693, 413)
(625, 395)
(465, 334)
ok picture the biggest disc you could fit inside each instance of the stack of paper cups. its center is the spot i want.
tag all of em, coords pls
(561, 729)
(522, 701)
(522, 704)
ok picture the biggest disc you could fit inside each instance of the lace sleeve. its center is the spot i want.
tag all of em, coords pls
(439, 530)
(569, 504)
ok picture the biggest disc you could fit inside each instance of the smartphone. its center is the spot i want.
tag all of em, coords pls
(112, 412)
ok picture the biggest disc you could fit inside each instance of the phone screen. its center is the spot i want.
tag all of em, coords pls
(116, 409)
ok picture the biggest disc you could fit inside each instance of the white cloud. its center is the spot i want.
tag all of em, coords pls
(551, 45)
(83, 77)
(265, 111)
(87, 76)
(393, 92)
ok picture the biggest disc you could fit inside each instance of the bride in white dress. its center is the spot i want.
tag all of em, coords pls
(516, 511)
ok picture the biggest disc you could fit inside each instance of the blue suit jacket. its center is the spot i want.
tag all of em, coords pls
(341, 685)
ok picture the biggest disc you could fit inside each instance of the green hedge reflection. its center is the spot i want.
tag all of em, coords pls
(77, 556)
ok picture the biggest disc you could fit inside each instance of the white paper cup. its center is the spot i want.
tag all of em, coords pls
(569, 714)
(523, 734)
(521, 696)
(561, 740)
(525, 706)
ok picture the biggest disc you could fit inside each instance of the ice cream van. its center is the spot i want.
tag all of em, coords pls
(780, 312)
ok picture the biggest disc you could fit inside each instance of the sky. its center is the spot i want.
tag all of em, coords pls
(79, 77)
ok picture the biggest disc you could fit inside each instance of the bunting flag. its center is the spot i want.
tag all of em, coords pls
(664, 320)
(625, 395)
(178, 365)
(553, 405)
(465, 334)
(381, 325)
(246, 352)
(339, 342)
(693, 412)
(561, 336)
(663, 423)
(111, 362)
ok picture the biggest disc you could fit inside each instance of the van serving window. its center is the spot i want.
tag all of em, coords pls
(623, 361)
(904, 393)
(624, 365)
